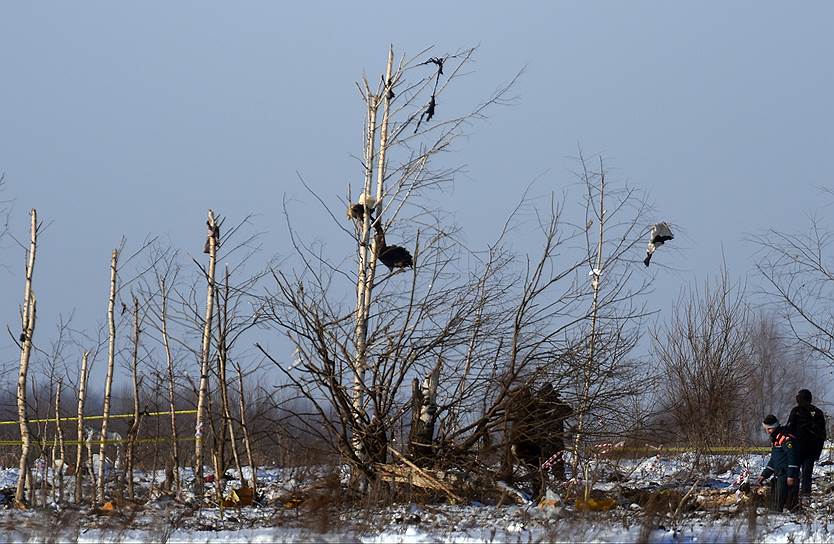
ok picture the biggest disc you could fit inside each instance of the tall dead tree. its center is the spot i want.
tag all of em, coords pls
(58, 450)
(169, 360)
(222, 363)
(79, 432)
(111, 365)
(595, 262)
(28, 315)
(253, 479)
(211, 246)
(368, 250)
(133, 432)
(398, 325)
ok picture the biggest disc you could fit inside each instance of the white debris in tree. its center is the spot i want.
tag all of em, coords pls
(595, 274)
(660, 234)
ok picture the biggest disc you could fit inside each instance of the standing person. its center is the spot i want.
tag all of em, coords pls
(523, 442)
(536, 434)
(555, 411)
(807, 424)
(783, 464)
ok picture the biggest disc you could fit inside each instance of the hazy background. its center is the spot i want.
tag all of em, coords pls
(131, 120)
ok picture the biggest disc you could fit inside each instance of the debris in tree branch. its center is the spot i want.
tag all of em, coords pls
(213, 232)
(429, 112)
(367, 203)
(661, 233)
(437, 61)
(391, 256)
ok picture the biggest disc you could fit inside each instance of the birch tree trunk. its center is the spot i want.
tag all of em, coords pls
(108, 380)
(88, 443)
(213, 239)
(82, 391)
(175, 457)
(28, 329)
(134, 426)
(423, 413)
(368, 260)
(361, 330)
(58, 448)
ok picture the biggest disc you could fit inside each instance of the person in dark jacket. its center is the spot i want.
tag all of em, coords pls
(783, 465)
(536, 434)
(554, 412)
(807, 424)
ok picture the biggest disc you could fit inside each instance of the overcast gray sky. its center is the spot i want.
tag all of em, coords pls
(120, 119)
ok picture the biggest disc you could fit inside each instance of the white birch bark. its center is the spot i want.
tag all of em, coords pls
(82, 392)
(108, 380)
(28, 329)
(368, 259)
(204, 358)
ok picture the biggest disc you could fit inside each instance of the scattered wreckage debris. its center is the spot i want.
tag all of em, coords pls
(412, 474)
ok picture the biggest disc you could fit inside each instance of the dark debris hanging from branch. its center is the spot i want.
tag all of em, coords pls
(429, 111)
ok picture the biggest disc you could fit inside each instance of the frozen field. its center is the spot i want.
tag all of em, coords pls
(672, 499)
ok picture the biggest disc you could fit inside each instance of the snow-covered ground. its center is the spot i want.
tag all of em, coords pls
(683, 498)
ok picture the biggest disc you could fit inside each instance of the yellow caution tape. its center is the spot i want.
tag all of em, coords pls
(97, 442)
(87, 418)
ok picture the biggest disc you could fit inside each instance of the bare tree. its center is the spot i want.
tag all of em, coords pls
(456, 329)
(83, 374)
(111, 364)
(705, 355)
(402, 322)
(798, 273)
(133, 432)
(253, 478)
(781, 366)
(205, 353)
(169, 360)
(28, 316)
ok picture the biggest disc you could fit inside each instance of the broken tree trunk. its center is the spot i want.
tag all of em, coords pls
(58, 451)
(368, 259)
(108, 380)
(28, 329)
(423, 416)
(212, 242)
(82, 391)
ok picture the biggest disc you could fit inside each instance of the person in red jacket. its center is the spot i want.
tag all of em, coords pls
(783, 465)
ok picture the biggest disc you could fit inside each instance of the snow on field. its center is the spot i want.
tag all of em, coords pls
(716, 512)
